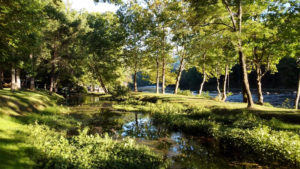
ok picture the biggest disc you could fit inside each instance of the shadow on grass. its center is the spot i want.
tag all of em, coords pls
(14, 151)
(285, 116)
(21, 102)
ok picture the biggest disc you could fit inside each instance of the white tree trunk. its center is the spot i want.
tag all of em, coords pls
(18, 79)
(13, 78)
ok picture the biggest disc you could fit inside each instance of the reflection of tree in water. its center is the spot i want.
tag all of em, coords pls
(197, 155)
(141, 127)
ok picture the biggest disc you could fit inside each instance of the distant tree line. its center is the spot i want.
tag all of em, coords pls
(46, 43)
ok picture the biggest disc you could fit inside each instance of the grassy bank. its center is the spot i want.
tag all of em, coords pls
(36, 132)
(267, 134)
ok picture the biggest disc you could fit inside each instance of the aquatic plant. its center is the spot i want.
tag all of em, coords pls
(245, 131)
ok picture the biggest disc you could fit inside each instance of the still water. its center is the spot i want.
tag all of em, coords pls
(184, 151)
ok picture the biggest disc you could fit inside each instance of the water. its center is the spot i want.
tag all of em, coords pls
(184, 151)
(278, 99)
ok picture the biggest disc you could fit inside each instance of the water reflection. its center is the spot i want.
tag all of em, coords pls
(184, 152)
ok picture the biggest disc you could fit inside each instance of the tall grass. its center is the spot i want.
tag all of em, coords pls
(267, 139)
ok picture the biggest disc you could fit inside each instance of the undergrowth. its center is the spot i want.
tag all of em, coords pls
(268, 140)
(55, 150)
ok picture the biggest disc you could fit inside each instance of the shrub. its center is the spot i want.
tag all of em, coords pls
(54, 150)
(119, 91)
(247, 131)
(205, 94)
(185, 92)
(286, 103)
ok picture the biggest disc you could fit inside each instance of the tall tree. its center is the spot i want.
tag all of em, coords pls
(104, 43)
(134, 19)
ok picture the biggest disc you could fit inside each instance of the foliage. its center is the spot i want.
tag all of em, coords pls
(205, 94)
(185, 92)
(119, 91)
(89, 151)
(269, 140)
(286, 103)
(246, 131)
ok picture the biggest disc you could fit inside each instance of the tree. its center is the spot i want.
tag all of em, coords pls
(264, 46)
(160, 28)
(182, 35)
(134, 19)
(287, 14)
(229, 15)
(104, 44)
(19, 29)
(61, 31)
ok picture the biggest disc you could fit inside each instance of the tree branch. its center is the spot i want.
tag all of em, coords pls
(231, 15)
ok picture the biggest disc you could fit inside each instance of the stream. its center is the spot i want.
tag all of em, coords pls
(184, 151)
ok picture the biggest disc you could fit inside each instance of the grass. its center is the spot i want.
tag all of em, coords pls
(13, 133)
(13, 149)
(266, 133)
(23, 102)
(36, 132)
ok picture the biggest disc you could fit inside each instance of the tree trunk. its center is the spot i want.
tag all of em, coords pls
(228, 82)
(13, 79)
(259, 88)
(203, 81)
(32, 86)
(242, 59)
(103, 85)
(52, 80)
(245, 79)
(244, 94)
(53, 66)
(179, 75)
(135, 82)
(18, 79)
(204, 75)
(55, 85)
(92, 89)
(298, 93)
(224, 95)
(157, 76)
(51, 83)
(1, 79)
(164, 76)
(218, 87)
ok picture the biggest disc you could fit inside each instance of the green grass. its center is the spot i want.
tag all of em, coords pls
(34, 130)
(22, 102)
(35, 133)
(267, 133)
(13, 148)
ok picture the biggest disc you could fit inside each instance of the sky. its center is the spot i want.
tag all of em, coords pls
(90, 6)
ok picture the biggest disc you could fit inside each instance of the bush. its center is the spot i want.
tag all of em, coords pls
(286, 103)
(245, 131)
(55, 151)
(205, 94)
(119, 91)
(185, 92)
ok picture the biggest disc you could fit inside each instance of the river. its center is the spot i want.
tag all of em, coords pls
(183, 151)
(280, 98)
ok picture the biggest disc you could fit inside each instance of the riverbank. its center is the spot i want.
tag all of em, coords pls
(40, 133)
(36, 132)
(269, 135)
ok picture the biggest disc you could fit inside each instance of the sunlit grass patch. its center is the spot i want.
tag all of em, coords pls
(13, 147)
